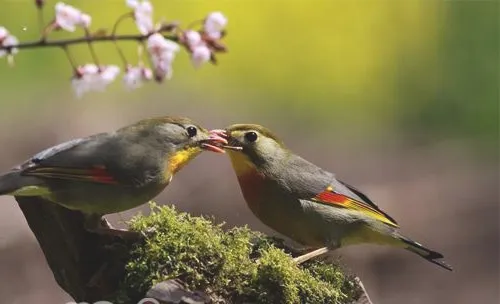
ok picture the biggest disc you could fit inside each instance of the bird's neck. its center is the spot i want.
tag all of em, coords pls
(180, 158)
(241, 163)
(249, 177)
(258, 187)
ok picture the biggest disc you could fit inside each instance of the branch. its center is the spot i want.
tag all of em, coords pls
(66, 42)
(163, 41)
(86, 265)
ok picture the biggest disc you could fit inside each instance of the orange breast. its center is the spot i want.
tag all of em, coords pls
(252, 185)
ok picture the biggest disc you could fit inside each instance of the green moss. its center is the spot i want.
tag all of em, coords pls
(239, 265)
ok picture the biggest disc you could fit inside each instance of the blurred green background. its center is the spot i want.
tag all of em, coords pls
(401, 97)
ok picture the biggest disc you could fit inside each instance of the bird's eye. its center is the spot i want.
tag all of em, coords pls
(192, 131)
(251, 136)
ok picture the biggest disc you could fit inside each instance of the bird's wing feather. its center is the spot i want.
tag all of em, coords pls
(47, 153)
(96, 174)
(342, 195)
(66, 161)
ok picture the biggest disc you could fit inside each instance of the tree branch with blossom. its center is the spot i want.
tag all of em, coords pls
(162, 41)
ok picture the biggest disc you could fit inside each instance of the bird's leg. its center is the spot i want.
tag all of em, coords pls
(97, 224)
(315, 253)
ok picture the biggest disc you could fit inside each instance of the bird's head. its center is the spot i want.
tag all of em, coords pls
(178, 138)
(251, 146)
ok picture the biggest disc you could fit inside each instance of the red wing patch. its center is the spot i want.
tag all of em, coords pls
(332, 198)
(101, 175)
(97, 174)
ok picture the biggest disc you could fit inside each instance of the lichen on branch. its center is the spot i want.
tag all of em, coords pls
(233, 266)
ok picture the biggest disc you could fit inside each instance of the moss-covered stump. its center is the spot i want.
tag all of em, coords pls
(234, 266)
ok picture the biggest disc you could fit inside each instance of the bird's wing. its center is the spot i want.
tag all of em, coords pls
(70, 160)
(341, 195)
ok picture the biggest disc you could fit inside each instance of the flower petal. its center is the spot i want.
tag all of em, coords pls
(3, 33)
(193, 38)
(215, 22)
(9, 41)
(200, 55)
(85, 20)
(143, 15)
(89, 77)
(67, 17)
(136, 76)
(132, 3)
(109, 73)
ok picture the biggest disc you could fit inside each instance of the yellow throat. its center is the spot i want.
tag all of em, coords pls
(241, 164)
(180, 158)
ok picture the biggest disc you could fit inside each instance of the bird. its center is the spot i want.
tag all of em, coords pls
(113, 171)
(306, 203)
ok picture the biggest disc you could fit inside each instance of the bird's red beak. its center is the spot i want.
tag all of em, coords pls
(222, 134)
(216, 141)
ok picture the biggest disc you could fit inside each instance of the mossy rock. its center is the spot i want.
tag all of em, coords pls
(233, 266)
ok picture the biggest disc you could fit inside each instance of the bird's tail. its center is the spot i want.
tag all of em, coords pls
(430, 255)
(13, 183)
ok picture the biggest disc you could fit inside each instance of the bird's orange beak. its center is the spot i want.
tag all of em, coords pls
(215, 142)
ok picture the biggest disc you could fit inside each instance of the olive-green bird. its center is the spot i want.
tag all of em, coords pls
(111, 172)
(306, 203)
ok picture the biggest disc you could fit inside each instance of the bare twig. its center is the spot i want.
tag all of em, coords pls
(41, 21)
(120, 20)
(91, 47)
(113, 33)
(121, 54)
(67, 42)
(194, 23)
(70, 58)
(46, 30)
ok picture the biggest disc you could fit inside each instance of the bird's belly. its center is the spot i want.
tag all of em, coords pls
(102, 199)
(288, 218)
(308, 223)
(291, 221)
(343, 227)
(305, 222)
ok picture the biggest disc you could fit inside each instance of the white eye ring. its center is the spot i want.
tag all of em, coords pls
(251, 136)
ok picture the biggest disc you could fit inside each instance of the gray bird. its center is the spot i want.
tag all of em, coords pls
(306, 203)
(111, 172)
